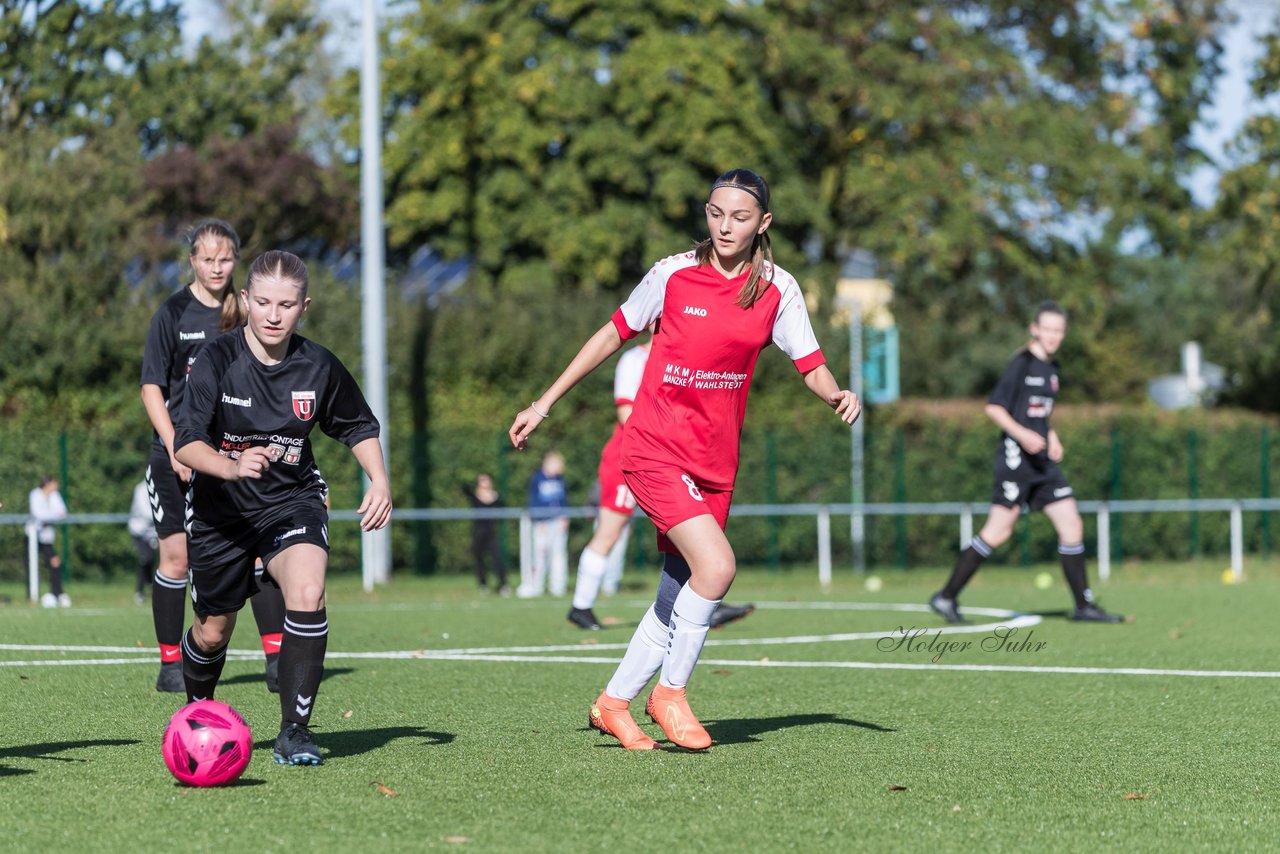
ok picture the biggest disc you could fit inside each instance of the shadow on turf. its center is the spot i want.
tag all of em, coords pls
(43, 751)
(745, 730)
(1061, 612)
(359, 741)
(329, 672)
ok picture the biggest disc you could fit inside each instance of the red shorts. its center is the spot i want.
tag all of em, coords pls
(669, 496)
(614, 493)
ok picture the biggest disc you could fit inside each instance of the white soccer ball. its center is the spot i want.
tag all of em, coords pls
(48, 600)
(873, 584)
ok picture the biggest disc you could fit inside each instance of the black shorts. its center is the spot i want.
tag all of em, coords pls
(221, 560)
(1021, 479)
(167, 492)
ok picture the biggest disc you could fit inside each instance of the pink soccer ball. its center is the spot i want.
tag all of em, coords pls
(207, 743)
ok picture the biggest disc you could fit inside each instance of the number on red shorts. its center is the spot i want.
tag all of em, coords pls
(693, 487)
(624, 498)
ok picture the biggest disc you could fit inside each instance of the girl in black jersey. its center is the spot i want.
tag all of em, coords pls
(1026, 471)
(252, 399)
(186, 322)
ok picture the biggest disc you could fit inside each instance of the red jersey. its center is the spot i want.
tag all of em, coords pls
(693, 397)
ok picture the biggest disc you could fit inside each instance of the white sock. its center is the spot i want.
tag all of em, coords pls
(690, 619)
(642, 659)
(615, 563)
(591, 567)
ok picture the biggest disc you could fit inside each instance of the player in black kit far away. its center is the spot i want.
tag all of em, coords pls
(186, 322)
(252, 399)
(1027, 472)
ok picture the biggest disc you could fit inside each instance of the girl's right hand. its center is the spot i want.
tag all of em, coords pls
(183, 472)
(526, 422)
(1032, 442)
(252, 462)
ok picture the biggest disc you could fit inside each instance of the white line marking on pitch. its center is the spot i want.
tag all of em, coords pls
(1017, 621)
(532, 654)
(732, 662)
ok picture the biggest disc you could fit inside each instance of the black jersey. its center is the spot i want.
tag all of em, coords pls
(180, 327)
(234, 402)
(1027, 390)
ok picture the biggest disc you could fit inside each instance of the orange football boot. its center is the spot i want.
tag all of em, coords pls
(670, 710)
(612, 717)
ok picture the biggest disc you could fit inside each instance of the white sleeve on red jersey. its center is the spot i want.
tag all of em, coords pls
(627, 376)
(792, 331)
(644, 306)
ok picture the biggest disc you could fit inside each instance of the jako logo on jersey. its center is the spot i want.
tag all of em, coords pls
(237, 401)
(304, 405)
(1035, 380)
(695, 311)
(191, 336)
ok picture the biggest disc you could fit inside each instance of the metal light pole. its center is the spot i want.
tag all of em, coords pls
(375, 545)
(857, 521)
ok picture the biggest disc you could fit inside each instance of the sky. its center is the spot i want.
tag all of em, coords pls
(1232, 103)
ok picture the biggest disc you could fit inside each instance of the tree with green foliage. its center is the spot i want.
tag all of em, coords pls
(991, 155)
(112, 138)
(1241, 273)
(988, 154)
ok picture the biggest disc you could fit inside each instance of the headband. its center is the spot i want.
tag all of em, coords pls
(746, 189)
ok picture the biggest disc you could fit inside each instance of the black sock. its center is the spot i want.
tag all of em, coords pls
(168, 607)
(1073, 568)
(675, 574)
(966, 565)
(200, 669)
(306, 636)
(268, 613)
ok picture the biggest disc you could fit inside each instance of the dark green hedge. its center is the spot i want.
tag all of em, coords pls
(792, 451)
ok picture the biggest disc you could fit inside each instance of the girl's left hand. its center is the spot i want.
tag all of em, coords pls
(375, 510)
(846, 405)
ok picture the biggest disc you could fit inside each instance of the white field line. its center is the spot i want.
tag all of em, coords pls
(1017, 622)
(539, 654)
(733, 662)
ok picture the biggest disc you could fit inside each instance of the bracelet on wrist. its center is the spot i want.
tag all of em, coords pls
(534, 407)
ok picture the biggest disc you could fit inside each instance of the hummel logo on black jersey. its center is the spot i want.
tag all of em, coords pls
(191, 336)
(237, 401)
(695, 311)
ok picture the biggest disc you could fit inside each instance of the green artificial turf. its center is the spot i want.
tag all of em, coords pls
(811, 754)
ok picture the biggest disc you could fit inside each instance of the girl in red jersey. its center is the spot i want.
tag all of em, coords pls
(718, 306)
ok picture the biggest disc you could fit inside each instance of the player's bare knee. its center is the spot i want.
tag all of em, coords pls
(714, 577)
(996, 536)
(1071, 534)
(307, 597)
(210, 633)
(176, 570)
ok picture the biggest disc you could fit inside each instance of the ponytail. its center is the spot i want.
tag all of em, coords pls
(761, 266)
